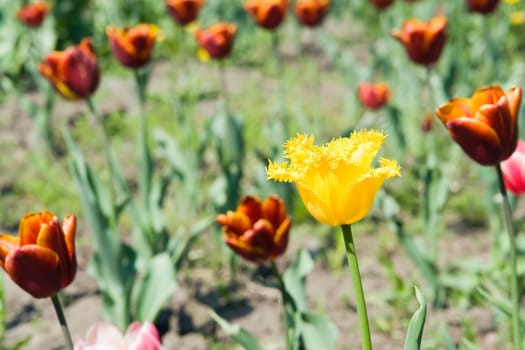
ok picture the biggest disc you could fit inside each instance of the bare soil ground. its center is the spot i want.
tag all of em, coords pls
(186, 324)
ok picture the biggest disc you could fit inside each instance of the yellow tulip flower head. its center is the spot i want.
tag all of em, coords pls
(336, 181)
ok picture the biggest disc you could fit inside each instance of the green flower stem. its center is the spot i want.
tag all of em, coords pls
(491, 50)
(223, 93)
(362, 314)
(140, 84)
(318, 82)
(289, 333)
(62, 320)
(44, 114)
(182, 34)
(145, 161)
(97, 122)
(431, 215)
(280, 79)
(514, 280)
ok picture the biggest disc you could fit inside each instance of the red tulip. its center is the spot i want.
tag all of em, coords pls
(311, 12)
(382, 4)
(423, 41)
(74, 72)
(41, 260)
(217, 40)
(482, 6)
(184, 11)
(373, 95)
(269, 14)
(257, 231)
(133, 46)
(513, 169)
(486, 125)
(33, 15)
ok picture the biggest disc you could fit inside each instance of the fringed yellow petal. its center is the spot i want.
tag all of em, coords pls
(301, 151)
(336, 181)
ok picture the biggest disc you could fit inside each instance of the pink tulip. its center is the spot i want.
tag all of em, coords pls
(105, 336)
(143, 336)
(513, 170)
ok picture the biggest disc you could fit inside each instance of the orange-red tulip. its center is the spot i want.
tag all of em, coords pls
(217, 40)
(184, 11)
(133, 46)
(382, 4)
(482, 6)
(311, 12)
(513, 170)
(423, 41)
(257, 231)
(486, 125)
(269, 14)
(41, 260)
(373, 95)
(74, 73)
(33, 15)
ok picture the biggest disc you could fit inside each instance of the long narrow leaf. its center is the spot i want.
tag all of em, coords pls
(318, 333)
(503, 305)
(153, 289)
(446, 339)
(427, 268)
(294, 278)
(146, 165)
(416, 325)
(97, 210)
(179, 244)
(112, 264)
(240, 335)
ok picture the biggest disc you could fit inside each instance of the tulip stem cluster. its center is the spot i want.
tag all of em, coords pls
(362, 313)
(62, 320)
(514, 278)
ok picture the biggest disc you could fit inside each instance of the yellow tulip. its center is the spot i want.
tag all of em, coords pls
(336, 181)
(517, 18)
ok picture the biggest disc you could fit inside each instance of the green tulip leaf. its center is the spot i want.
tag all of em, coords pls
(294, 279)
(317, 332)
(179, 244)
(504, 305)
(154, 287)
(416, 325)
(239, 334)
